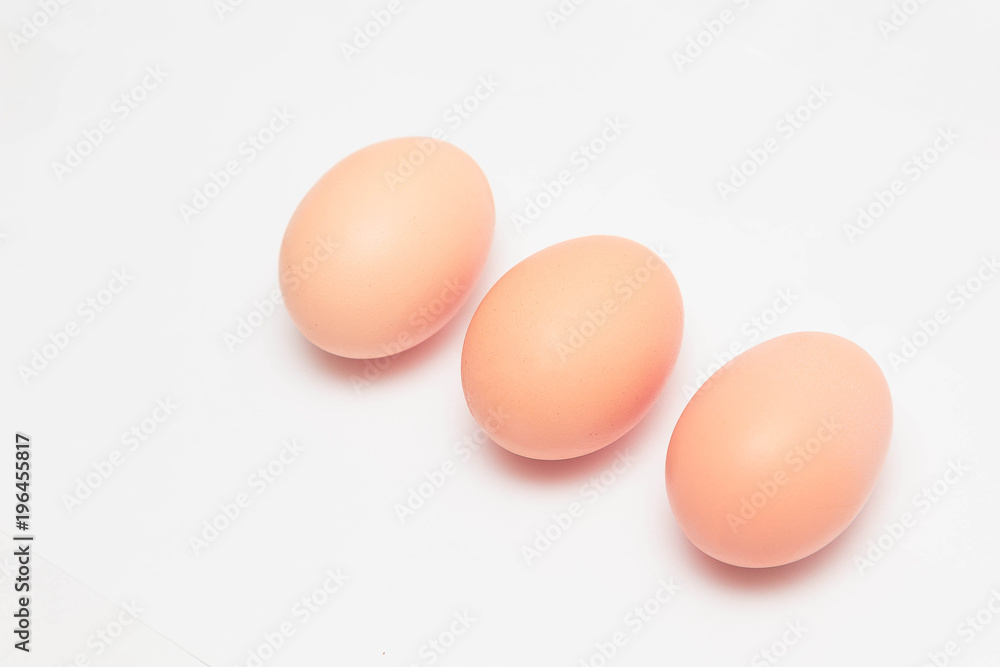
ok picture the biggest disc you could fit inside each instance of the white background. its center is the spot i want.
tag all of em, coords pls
(365, 447)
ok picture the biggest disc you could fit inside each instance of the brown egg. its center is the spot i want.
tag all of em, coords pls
(384, 248)
(779, 450)
(571, 347)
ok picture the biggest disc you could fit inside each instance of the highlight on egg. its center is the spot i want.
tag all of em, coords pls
(571, 347)
(777, 453)
(386, 246)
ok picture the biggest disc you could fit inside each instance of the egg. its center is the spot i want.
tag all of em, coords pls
(776, 454)
(571, 347)
(386, 246)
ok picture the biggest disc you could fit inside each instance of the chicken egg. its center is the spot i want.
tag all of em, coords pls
(571, 347)
(385, 247)
(776, 454)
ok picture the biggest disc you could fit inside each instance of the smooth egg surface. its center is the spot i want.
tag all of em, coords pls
(385, 247)
(571, 347)
(775, 455)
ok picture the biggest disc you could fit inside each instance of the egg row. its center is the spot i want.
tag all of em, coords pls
(771, 459)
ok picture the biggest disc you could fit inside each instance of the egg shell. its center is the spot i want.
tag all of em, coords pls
(571, 347)
(776, 454)
(385, 247)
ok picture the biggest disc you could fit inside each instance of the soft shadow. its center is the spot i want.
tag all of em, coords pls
(836, 554)
(580, 467)
(384, 368)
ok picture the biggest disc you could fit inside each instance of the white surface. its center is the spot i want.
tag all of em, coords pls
(364, 449)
